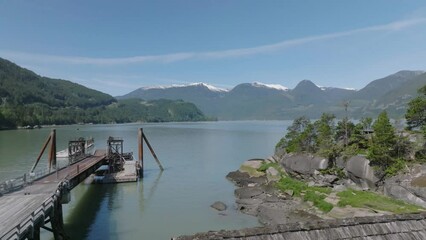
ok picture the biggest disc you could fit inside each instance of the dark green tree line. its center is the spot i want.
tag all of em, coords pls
(378, 140)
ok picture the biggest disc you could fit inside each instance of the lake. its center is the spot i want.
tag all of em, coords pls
(196, 158)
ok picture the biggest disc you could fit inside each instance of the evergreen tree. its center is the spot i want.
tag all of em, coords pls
(416, 112)
(344, 131)
(325, 130)
(381, 151)
(300, 136)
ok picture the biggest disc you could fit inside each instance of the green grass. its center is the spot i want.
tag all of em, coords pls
(316, 195)
(265, 166)
(318, 200)
(251, 171)
(364, 199)
(287, 183)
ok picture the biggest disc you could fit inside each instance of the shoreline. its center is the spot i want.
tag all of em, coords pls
(259, 192)
(283, 215)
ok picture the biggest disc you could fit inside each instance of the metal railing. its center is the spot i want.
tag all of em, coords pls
(26, 179)
(12, 184)
(22, 181)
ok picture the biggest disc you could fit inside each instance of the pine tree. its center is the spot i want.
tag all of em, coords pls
(301, 137)
(326, 130)
(381, 151)
(416, 112)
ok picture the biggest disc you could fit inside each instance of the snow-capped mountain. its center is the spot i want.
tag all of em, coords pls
(273, 101)
(271, 86)
(200, 84)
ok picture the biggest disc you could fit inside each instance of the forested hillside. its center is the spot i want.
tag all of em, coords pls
(21, 86)
(29, 99)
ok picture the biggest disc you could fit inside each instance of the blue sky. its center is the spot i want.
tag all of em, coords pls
(118, 46)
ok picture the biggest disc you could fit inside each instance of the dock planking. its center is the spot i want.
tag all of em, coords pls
(129, 174)
(21, 210)
(19, 213)
(24, 210)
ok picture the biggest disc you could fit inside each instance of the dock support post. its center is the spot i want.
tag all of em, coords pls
(36, 233)
(57, 221)
(140, 152)
(52, 152)
(41, 152)
(152, 152)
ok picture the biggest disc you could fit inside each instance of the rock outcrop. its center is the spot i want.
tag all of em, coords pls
(303, 164)
(409, 187)
(359, 170)
(258, 196)
(307, 167)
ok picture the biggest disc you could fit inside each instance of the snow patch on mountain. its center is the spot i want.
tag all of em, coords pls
(210, 87)
(330, 88)
(273, 86)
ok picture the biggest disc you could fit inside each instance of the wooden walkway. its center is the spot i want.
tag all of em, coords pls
(24, 211)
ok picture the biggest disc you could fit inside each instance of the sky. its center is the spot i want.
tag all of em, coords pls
(119, 46)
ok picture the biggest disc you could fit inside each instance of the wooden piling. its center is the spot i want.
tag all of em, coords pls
(36, 233)
(41, 153)
(52, 152)
(57, 221)
(140, 152)
(152, 152)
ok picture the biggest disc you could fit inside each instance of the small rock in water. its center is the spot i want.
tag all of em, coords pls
(220, 206)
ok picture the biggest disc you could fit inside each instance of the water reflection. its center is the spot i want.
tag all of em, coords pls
(153, 187)
(94, 205)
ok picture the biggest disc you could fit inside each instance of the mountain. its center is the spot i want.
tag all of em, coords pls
(251, 101)
(377, 88)
(29, 99)
(306, 92)
(203, 95)
(337, 94)
(396, 99)
(272, 101)
(21, 86)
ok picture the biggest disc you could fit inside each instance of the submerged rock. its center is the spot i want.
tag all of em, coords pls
(218, 205)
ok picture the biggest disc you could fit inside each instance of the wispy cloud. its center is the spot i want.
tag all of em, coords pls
(231, 53)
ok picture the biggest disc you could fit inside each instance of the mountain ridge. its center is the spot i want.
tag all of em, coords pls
(30, 99)
(273, 101)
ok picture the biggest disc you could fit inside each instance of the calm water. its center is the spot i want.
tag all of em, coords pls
(196, 157)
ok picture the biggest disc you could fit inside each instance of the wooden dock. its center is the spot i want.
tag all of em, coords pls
(129, 174)
(24, 212)
(28, 203)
